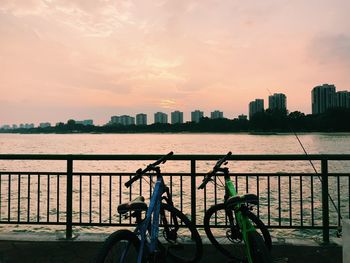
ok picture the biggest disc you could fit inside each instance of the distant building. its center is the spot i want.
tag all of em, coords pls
(127, 120)
(115, 120)
(177, 117)
(196, 115)
(342, 99)
(141, 119)
(160, 117)
(255, 106)
(278, 101)
(122, 120)
(242, 117)
(26, 126)
(85, 122)
(323, 98)
(14, 126)
(216, 115)
(6, 127)
(44, 125)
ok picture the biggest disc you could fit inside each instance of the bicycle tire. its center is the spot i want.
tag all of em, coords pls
(187, 246)
(216, 219)
(258, 249)
(117, 243)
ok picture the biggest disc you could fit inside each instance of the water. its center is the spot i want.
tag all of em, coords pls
(314, 143)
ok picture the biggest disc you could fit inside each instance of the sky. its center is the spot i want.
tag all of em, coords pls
(92, 59)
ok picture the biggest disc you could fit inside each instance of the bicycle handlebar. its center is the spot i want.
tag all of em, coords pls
(208, 176)
(149, 167)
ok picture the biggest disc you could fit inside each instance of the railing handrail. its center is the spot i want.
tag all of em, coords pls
(185, 157)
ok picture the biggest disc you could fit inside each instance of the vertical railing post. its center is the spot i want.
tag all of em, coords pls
(193, 191)
(69, 201)
(325, 206)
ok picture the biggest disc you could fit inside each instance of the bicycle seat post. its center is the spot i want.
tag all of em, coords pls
(138, 217)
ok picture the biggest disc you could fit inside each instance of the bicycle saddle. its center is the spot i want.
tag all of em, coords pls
(138, 204)
(247, 198)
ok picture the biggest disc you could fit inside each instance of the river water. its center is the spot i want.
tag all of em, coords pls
(240, 143)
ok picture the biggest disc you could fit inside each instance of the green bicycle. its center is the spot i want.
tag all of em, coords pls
(232, 227)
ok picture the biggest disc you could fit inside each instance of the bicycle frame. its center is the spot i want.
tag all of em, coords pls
(151, 222)
(154, 208)
(241, 219)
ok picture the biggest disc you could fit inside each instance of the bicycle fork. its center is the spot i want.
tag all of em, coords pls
(246, 227)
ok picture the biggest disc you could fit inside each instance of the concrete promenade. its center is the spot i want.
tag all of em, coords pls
(47, 249)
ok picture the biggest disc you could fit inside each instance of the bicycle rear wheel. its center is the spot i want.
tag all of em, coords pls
(225, 234)
(121, 246)
(178, 237)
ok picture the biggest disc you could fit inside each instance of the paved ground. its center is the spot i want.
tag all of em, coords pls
(80, 250)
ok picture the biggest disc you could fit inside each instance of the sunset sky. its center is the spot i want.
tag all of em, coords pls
(89, 59)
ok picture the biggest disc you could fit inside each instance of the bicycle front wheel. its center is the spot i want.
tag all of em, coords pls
(223, 232)
(178, 236)
(120, 247)
(258, 249)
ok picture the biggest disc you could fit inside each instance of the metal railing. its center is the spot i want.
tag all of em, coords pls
(288, 200)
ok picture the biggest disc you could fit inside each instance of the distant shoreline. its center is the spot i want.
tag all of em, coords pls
(187, 132)
(264, 123)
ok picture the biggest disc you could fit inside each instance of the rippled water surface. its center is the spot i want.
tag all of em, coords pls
(315, 143)
(179, 143)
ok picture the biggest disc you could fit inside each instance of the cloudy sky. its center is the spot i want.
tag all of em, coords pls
(62, 59)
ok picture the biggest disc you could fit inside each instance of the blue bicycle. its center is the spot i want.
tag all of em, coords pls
(164, 234)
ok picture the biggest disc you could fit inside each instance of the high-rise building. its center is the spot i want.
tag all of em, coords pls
(177, 117)
(122, 120)
(278, 101)
(115, 120)
(85, 122)
(255, 106)
(127, 120)
(44, 125)
(196, 115)
(141, 119)
(342, 99)
(216, 114)
(26, 126)
(322, 98)
(160, 117)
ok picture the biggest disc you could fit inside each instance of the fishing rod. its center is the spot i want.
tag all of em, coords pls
(318, 175)
(339, 230)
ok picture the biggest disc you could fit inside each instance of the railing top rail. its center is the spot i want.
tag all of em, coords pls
(184, 157)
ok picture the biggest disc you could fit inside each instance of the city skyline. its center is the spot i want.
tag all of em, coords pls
(80, 59)
(275, 101)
